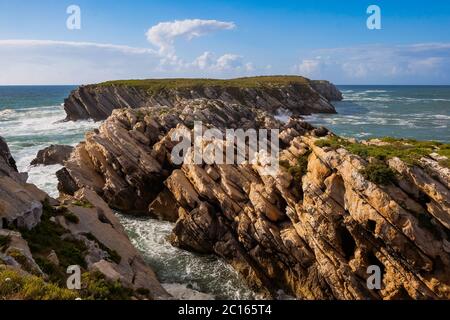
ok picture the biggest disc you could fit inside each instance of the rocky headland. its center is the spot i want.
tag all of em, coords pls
(333, 208)
(296, 94)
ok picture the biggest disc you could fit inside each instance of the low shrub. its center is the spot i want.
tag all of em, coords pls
(379, 173)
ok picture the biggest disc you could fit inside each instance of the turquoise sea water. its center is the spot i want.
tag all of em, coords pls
(417, 112)
(30, 119)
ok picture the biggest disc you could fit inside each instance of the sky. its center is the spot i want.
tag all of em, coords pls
(223, 39)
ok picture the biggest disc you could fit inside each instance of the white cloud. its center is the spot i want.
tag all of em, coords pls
(227, 62)
(64, 62)
(53, 43)
(164, 34)
(68, 62)
(408, 64)
(308, 67)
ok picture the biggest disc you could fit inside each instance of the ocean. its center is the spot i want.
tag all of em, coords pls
(415, 112)
(30, 120)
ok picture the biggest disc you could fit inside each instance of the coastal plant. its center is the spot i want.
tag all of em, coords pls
(4, 242)
(16, 286)
(96, 287)
(155, 86)
(379, 173)
(49, 236)
(83, 203)
(408, 150)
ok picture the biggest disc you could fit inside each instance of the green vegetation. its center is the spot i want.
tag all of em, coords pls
(300, 169)
(14, 286)
(82, 203)
(25, 263)
(48, 236)
(113, 255)
(156, 85)
(4, 242)
(297, 171)
(408, 150)
(17, 286)
(96, 287)
(379, 173)
(71, 217)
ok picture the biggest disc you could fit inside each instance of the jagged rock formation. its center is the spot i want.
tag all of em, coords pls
(129, 175)
(54, 154)
(20, 203)
(296, 94)
(42, 236)
(312, 230)
(327, 89)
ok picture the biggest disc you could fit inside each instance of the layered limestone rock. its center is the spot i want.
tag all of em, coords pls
(20, 202)
(301, 96)
(312, 229)
(42, 236)
(327, 90)
(54, 154)
(128, 159)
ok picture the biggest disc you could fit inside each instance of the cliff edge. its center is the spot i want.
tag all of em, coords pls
(334, 208)
(270, 93)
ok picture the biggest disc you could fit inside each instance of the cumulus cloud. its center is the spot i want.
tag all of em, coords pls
(65, 62)
(409, 64)
(226, 62)
(68, 62)
(164, 34)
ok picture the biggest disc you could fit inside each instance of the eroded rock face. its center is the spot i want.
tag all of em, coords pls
(20, 202)
(128, 160)
(54, 154)
(327, 90)
(97, 102)
(83, 222)
(5, 156)
(313, 229)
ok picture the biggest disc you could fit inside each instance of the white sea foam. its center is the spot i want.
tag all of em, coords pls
(180, 269)
(283, 115)
(28, 130)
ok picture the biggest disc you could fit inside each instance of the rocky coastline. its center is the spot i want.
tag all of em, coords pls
(296, 94)
(334, 208)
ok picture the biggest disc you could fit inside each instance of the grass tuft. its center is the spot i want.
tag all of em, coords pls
(408, 150)
(154, 86)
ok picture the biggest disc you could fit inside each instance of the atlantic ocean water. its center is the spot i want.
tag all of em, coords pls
(30, 120)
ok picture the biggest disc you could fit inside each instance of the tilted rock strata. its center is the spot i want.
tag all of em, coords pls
(128, 159)
(85, 218)
(313, 235)
(97, 101)
(327, 90)
(54, 154)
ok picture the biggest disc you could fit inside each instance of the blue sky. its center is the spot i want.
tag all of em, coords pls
(145, 39)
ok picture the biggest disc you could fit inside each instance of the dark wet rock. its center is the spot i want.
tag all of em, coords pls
(54, 154)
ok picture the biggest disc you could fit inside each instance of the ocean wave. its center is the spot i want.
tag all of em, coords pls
(375, 91)
(6, 113)
(44, 121)
(205, 274)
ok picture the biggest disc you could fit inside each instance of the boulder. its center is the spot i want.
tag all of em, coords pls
(54, 154)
